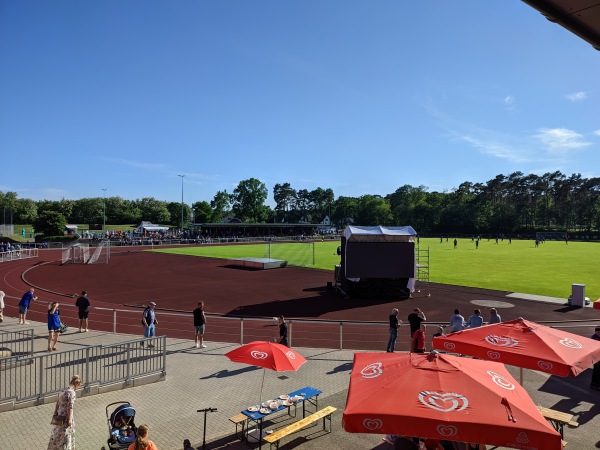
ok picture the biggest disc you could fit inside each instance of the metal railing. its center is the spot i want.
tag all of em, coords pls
(313, 333)
(21, 253)
(18, 343)
(356, 335)
(34, 377)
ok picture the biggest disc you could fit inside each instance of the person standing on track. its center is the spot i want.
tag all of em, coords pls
(83, 306)
(26, 300)
(200, 324)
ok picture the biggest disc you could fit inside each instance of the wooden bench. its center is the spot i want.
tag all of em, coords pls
(558, 420)
(324, 414)
(240, 419)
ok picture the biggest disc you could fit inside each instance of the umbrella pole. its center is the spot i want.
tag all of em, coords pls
(261, 388)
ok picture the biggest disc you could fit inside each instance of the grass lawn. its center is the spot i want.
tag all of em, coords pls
(548, 270)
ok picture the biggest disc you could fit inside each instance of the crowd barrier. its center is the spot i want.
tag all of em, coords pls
(35, 377)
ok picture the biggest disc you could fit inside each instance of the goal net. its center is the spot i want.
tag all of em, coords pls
(296, 254)
(102, 253)
(76, 254)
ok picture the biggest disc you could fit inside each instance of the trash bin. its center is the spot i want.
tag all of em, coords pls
(577, 295)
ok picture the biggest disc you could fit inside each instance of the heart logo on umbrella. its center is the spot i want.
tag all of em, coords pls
(571, 343)
(545, 365)
(259, 355)
(449, 346)
(372, 370)
(291, 355)
(522, 438)
(501, 341)
(493, 355)
(372, 424)
(451, 402)
(501, 381)
(447, 430)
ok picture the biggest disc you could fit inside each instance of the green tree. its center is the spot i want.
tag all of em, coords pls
(374, 210)
(154, 210)
(248, 200)
(284, 195)
(320, 203)
(220, 205)
(8, 203)
(120, 211)
(25, 211)
(88, 210)
(50, 223)
(175, 211)
(345, 210)
(302, 204)
(202, 212)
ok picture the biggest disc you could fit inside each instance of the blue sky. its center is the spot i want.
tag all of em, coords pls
(358, 96)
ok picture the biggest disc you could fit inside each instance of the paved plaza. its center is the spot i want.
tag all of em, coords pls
(204, 378)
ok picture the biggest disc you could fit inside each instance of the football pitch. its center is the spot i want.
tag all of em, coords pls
(550, 269)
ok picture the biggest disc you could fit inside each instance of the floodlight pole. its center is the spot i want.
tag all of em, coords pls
(104, 208)
(182, 176)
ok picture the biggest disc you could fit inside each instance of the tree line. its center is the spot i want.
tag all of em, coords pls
(512, 203)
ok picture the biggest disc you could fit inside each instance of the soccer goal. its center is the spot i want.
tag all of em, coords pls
(295, 253)
(76, 254)
(102, 253)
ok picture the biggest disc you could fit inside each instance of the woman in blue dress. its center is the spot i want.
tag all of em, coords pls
(53, 325)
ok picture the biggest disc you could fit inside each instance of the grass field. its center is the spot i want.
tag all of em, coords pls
(547, 270)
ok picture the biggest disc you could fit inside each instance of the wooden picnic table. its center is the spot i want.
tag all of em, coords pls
(558, 419)
(309, 394)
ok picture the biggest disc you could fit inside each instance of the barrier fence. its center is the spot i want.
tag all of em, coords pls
(311, 333)
(16, 343)
(31, 377)
(21, 253)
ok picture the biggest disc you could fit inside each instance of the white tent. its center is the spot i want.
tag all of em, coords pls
(149, 226)
(379, 234)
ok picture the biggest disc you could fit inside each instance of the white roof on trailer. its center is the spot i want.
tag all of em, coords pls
(357, 233)
(155, 228)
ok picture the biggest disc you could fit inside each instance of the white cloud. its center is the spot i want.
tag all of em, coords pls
(136, 164)
(547, 145)
(494, 147)
(576, 96)
(509, 100)
(560, 141)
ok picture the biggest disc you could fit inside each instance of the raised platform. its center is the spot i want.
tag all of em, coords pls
(258, 263)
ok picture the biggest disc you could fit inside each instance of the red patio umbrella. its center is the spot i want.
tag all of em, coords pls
(443, 397)
(522, 343)
(268, 355)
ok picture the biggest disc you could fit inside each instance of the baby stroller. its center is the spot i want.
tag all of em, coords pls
(121, 426)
